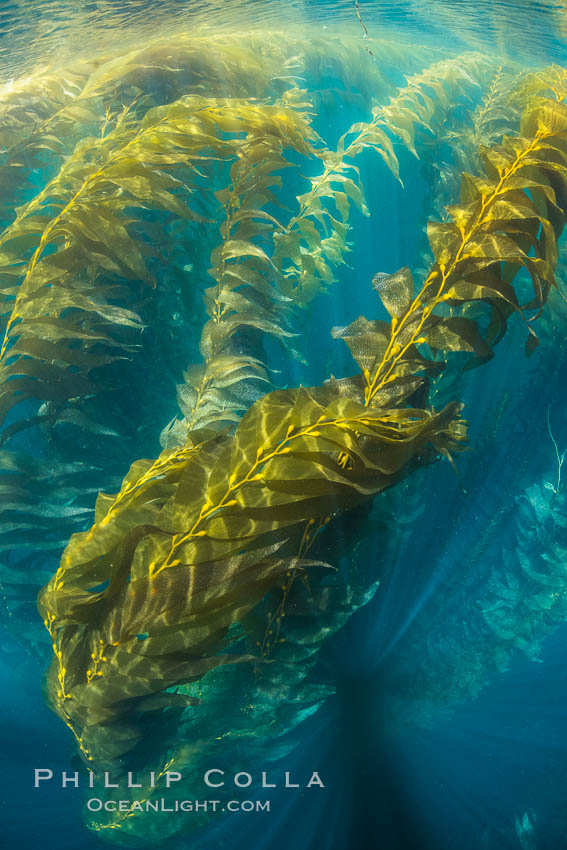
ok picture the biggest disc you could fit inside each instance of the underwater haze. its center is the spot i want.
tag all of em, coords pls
(283, 503)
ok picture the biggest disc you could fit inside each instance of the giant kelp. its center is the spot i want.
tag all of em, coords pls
(196, 166)
(292, 259)
(125, 169)
(224, 540)
(246, 294)
(111, 98)
(163, 587)
(77, 260)
(46, 112)
(78, 321)
(457, 147)
(513, 595)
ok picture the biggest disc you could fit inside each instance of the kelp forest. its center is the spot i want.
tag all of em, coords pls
(195, 505)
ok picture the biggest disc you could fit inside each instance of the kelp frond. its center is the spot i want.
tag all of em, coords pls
(180, 568)
(458, 146)
(420, 105)
(315, 241)
(67, 244)
(247, 293)
(507, 221)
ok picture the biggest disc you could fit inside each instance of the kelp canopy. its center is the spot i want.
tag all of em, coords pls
(170, 215)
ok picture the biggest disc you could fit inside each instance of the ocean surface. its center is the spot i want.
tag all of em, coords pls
(301, 571)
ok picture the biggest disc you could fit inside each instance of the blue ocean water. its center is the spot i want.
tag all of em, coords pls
(444, 721)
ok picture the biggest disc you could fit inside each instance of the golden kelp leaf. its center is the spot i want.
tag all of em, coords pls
(544, 117)
(455, 333)
(444, 240)
(395, 290)
(367, 341)
(464, 291)
(237, 248)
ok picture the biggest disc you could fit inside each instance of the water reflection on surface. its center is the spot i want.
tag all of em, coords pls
(34, 31)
